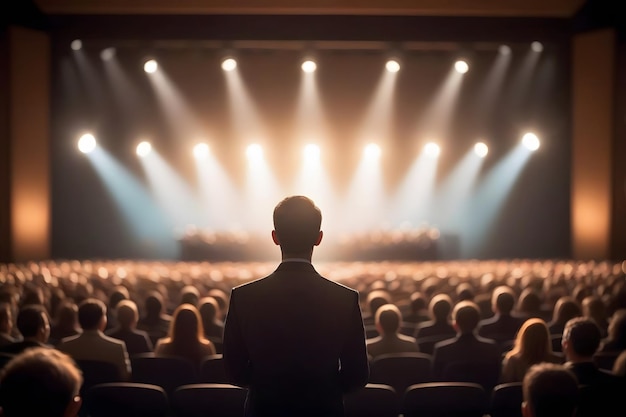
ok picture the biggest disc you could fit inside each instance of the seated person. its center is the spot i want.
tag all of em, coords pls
(33, 324)
(40, 382)
(136, 341)
(439, 327)
(549, 390)
(388, 320)
(503, 326)
(6, 324)
(155, 322)
(92, 343)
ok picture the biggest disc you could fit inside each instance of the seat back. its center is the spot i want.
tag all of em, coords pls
(445, 399)
(168, 372)
(212, 371)
(485, 373)
(401, 370)
(506, 400)
(427, 344)
(373, 400)
(208, 400)
(605, 360)
(97, 372)
(126, 399)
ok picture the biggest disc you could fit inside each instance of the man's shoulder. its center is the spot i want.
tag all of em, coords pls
(270, 280)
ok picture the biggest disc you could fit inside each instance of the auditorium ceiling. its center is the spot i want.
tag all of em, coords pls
(485, 8)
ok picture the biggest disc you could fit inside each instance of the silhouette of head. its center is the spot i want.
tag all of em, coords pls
(297, 222)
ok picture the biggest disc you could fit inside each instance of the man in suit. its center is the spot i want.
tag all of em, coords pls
(136, 341)
(34, 326)
(294, 338)
(477, 359)
(388, 320)
(503, 326)
(92, 343)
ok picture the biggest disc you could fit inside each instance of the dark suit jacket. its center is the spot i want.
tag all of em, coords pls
(16, 348)
(137, 341)
(589, 374)
(296, 340)
(500, 328)
(465, 348)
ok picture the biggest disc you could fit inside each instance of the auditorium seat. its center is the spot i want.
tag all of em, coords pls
(506, 400)
(400, 370)
(605, 360)
(126, 399)
(373, 400)
(97, 372)
(445, 399)
(212, 371)
(485, 373)
(168, 372)
(208, 400)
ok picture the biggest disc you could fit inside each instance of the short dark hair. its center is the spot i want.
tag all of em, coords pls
(388, 317)
(466, 315)
(90, 313)
(550, 390)
(39, 382)
(583, 334)
(440, 306)
(297, 222)
(504, 299)
(30, 319)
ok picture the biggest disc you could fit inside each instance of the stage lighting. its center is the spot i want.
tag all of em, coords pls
(143, 149)
(531, 141)
(229, 64)
(432, 150)
(86, 143)
(76, 44)
(392, 66)
(372, 151)
(254, 152)
(461, 66)
(201, 151)
(150, 66)
(309, 66)
(504, 50)
(481, 149)
(107, 54)
(536, 46)
(311, 152)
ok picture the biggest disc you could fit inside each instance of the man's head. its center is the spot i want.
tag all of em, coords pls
(92, 314)
(440, 307)
(40, 382)
(549, 390)
(388, 319)
(466, 316)
(127, 314)
(297, 222)
(503, 300)
(581, 338)
(33, 323)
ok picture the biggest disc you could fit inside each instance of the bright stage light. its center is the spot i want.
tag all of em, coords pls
(311, 152)
(461, 66)
(86, 143)
(432, 150)
(76, 44)
(229, 64)
(536, 46)
(143, 149)
(504, 50)
(309, 66)
(107, 54)
(531, 141)
(254, 152)
(372, 151)
(201, 151)
(150, 66)
(392, 66)
(481, 149)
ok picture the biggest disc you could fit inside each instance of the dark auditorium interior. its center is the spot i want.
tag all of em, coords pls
(459, 150)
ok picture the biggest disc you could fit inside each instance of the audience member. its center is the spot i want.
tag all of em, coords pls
(155, 321)
(549, 390)
(213, 327)
(388, 322)
(616, 339)
(40, 382)
(532, 346)
(295, 339)
(119, 293)
(66, 323)
(439, 327)
(6, 325)
(467, 347)
(136, 341)
(34, 326)
(92, 343)
(594, 308)
(186, 337)
(503, 326)
(529, 304)
(418, 311)
(565, 309)
(189, 295)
